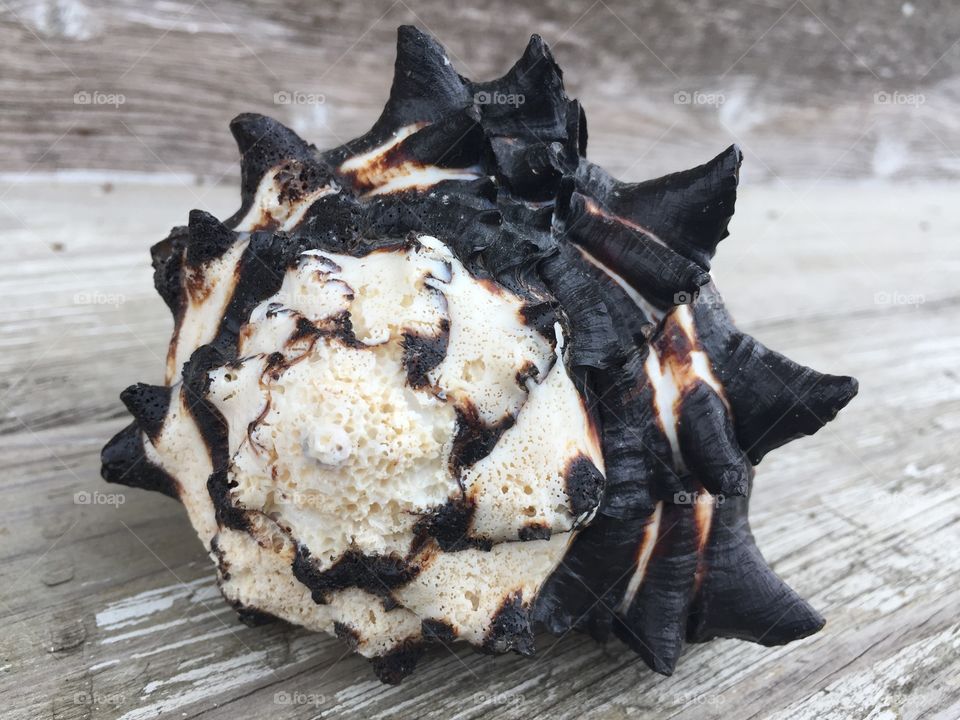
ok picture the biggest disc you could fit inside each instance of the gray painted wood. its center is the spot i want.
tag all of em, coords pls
(809, 87)
(111, 610)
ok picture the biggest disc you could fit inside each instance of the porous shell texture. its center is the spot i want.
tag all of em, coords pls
(452, 382)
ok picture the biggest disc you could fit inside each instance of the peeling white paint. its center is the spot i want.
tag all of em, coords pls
(137, 608)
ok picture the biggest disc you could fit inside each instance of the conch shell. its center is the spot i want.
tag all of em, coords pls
(451, 381)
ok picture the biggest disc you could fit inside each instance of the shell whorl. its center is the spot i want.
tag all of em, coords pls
(604, 289)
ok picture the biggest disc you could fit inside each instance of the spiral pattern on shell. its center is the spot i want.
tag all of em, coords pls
(451, 381)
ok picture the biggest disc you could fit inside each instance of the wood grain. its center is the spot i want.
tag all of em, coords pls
(111, 610)
(809, 87)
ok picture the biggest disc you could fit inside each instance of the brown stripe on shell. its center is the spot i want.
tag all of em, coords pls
(395, 665)
(707, 445)
(449, 525)
(436, 630)
(641, 259)
(474, 438)
(197, 284)
(373, 573)
(535, 531)
(382, 164)
(511, 628)
(703, 511)
(584, 484)
(251, 616)
(542, 316)
(589, 401)
(452, 144)
(490, 285)
(674, 345)
(648, 539)
(594, 208)
(347, 634)
(196, 287)
(528, 371)
(423, 353)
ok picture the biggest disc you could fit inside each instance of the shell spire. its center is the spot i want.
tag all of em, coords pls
(529, 101)
(270, 150)
(263, 143)
(451, 382)
(426, 87)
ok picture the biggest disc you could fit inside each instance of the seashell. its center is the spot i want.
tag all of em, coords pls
(451, 382)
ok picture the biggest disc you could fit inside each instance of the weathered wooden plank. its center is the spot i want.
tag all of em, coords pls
(111, 609)
(796, 81)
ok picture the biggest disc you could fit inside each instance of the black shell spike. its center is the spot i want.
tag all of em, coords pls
(426, 87)
(149, 405)
(268, 148)
(451, 382)
(207, 239)
(688, 211)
